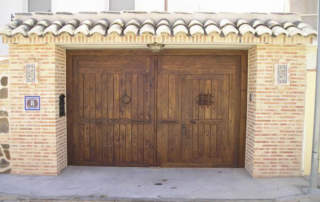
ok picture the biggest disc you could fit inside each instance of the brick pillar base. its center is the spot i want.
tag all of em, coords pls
(275, 120)
(37, 138)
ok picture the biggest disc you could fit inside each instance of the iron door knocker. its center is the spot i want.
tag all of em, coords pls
(125, 99)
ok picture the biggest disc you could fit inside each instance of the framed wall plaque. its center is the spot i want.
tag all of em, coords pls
(282, 74)
(31, 73)
(31, 103)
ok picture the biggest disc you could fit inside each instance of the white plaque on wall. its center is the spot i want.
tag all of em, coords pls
(31, 73)
(282, 74)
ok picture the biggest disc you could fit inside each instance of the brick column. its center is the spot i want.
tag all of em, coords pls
(275, 121)
(37, 138)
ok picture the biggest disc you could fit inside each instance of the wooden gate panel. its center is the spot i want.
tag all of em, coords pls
(113, 123)
(196, 112)
(127, 112)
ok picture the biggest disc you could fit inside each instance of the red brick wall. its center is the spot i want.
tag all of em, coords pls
(37, 138)
(275, 120)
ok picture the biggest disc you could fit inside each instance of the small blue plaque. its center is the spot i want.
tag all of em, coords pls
(31, 103)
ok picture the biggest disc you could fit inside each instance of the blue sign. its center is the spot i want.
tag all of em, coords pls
(31, 103)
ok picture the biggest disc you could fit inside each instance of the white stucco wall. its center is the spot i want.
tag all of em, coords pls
(80, 5)
(6, 9)
(145, 5)
(13, 6)
(215, 5)
(307, 8)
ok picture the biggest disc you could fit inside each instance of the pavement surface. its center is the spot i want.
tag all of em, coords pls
(80, 183)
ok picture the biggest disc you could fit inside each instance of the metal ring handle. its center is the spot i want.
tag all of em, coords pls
(125, 99)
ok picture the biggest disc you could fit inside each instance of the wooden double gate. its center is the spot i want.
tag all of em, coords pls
(174, 108)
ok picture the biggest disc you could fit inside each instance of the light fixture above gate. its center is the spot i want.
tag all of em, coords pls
(155, 47)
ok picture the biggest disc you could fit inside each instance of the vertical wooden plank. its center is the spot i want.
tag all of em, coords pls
(109, 115)
(174, 134)
(99, 136)
(104, 128)
(98, 95)
(195, 141)
(81, 95)
(92, 116)
(134, 112)
(128, 92)
(116, 109)
(201, 135)
(78, 132)
(220, 98)
(122, 145)
(207, 141)
(79, 148)
(201, 130)
(86, 115)
(104, 114)
(213, 141)
(104, 95)
(162, 110)
(122, 92)
(122, 114)
(110, 130)
(230, 108)
(202, 91)
(86, 142)
(207, 116)
(128, 143)
(173, 90)
(219, 138)
(128, 116)
(148, 114)
(140, 109)
(228, 91)
(116, 145)
(225, 133)
(207, 108)
(186, 101)
(134, 142)
(110, 95)
(235, 114)
(186, 116)
(214, 90)
(187, 152)
(178, 127)
(195, 133)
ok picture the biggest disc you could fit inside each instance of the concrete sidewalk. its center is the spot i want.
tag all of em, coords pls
(154, 184)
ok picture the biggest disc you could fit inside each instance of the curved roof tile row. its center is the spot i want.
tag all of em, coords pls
(103, 26)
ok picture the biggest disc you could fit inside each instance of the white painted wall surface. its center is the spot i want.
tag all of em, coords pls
(116, 5)
(149, 5)
(80, 5)
(7, 7)
(228, 5)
